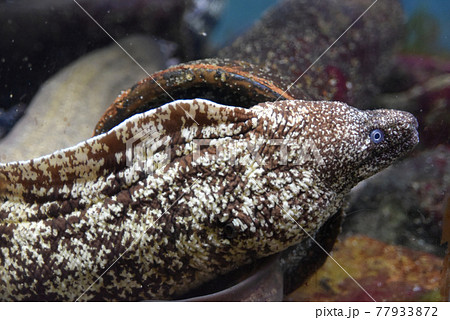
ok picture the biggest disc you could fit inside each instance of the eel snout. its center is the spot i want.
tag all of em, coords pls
(408, 127)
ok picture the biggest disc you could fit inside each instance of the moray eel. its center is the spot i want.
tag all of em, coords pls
(212, 188)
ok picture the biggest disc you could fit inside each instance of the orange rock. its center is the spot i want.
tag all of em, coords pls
(386, 272)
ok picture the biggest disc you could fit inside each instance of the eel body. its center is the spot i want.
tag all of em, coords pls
(173, 197)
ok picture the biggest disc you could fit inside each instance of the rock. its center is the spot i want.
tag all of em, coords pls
(386, 272)
(445, 281)
(67, 106)
(61, 32)
(9, 117)
(405, 203)
(292, 35)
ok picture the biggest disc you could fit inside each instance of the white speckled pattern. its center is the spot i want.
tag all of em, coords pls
(66, 217)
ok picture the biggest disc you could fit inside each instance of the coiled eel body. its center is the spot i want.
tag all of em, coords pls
(173, 197)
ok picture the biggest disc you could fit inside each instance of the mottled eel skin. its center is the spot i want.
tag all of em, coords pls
(66, 217)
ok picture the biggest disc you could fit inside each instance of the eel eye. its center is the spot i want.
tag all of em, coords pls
(229, 231)
(377, 136)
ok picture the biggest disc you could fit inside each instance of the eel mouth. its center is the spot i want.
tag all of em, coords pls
(407, 135)
(411, 127)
